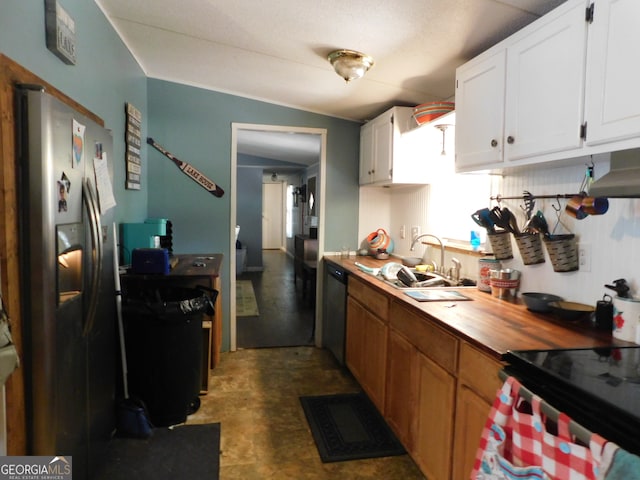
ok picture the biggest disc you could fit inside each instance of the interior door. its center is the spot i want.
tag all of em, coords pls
(272, 216)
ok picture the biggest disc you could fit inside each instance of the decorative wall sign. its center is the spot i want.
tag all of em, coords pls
(133, 132)
(189, 170)
(60, 31)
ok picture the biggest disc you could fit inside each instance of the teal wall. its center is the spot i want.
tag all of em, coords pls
(105, 77)
(195, 125)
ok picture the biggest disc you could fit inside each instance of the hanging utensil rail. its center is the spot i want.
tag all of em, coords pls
(498, 198)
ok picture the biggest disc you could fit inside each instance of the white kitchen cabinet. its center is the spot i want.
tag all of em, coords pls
(524, 97)
(367, 166)
(394, 150)
(378, 139)
(545, 86)
(480, 86)
(612, 110)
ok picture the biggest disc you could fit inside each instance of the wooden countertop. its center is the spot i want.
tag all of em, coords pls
(491, 324)
(197, 265)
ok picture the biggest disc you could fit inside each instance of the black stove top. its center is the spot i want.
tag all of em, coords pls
(599, 388)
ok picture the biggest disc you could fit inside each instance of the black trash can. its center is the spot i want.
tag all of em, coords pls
(163, 339)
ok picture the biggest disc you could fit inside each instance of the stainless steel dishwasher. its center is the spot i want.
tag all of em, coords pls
(334, 310)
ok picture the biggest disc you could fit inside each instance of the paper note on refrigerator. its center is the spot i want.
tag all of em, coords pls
(78, 142)
(103, 183)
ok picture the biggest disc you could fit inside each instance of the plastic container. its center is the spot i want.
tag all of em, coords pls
(626, 316)
(163, 338)
(241, 260)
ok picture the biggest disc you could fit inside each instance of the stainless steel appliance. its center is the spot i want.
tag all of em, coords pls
(598, 388)
(68, 285)
(334, 310)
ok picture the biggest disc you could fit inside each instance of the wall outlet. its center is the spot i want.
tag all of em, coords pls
(403, 232)
(584, 257)
(415, 231)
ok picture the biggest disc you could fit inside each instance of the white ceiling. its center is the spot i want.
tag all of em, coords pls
(275, 50)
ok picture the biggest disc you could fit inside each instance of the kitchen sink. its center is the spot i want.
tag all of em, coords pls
(428, 281)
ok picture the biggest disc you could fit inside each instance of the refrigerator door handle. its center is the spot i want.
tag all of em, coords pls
(90, 202)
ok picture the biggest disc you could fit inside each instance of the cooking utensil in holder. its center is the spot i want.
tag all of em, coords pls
(563, 252)
(530, 247)
(501, 245)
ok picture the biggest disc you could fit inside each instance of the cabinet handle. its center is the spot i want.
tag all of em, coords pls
(494, 143)
(510, 139)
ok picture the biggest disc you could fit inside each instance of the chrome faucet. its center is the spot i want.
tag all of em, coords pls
(418, 237)
(455, 270)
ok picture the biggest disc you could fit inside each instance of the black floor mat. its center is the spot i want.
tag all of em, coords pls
(348, 427)
(186, 451)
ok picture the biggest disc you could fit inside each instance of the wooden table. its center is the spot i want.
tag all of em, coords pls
(191, 270)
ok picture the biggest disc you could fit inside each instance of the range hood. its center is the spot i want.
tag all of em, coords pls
(622, 180)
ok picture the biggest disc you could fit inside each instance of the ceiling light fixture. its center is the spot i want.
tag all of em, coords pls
(350, 64)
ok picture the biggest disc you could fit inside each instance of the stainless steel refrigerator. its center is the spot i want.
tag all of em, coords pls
(67, 241)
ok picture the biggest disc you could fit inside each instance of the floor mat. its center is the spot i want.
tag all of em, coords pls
(348, 427)
(185, 451)
(246, 304)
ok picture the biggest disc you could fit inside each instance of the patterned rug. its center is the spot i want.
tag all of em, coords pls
(246, 305)
(348, 427)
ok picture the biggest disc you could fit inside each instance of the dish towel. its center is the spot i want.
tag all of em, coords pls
(618, 464)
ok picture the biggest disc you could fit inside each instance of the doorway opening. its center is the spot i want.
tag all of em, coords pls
(264, 155)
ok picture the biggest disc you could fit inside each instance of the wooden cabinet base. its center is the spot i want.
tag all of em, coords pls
(471, 415)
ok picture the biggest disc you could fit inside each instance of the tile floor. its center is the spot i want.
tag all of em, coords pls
(254, 395)
(254, 392)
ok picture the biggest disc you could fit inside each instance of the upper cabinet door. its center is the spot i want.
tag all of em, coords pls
(545, 86)
(480, 90)
(383, 146)
(613, 75)
(366, 154)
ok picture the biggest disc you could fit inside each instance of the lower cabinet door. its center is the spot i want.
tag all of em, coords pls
(400, 403)
(375, 366)
(435, 410)
(471, 415)
(355, 339)
(366, 350)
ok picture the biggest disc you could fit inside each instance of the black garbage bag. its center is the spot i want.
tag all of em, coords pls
(164, 345)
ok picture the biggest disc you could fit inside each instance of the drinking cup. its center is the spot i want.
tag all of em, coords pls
(595, 205)
(575, 208)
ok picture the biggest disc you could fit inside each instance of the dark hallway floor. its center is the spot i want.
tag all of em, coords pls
(286, 318)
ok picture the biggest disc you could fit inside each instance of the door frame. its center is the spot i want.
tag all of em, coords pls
(321, 188)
